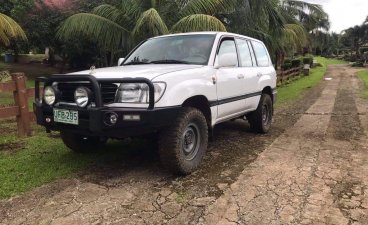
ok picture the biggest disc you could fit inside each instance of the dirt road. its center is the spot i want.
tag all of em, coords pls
(311, 169)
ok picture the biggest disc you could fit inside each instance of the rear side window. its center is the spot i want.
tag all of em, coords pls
(227, 46)
(244, 53)
(261, 54)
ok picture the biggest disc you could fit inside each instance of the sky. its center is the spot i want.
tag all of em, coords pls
(344, 13)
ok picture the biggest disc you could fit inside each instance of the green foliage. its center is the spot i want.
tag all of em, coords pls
(308, 60)
(363, 75)
(9, 29)
(286, 66)
(358, 64)
(208, 7)
(107, 32)
(198, 22)
(296, 63)
(117, 25)
(149, 23)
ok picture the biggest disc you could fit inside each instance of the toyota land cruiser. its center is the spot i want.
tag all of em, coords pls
(177, 86)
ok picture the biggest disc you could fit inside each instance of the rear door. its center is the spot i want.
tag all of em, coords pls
(248, 66)
(230, 84)
(263, 68)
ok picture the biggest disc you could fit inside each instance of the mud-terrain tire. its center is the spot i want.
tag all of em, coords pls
(260, 120)
(183, 145)
(82, 144)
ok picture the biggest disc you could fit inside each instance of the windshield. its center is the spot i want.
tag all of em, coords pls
(182, 49)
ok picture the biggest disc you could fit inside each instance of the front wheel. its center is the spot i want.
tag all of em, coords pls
(82, 144)
(183, 145)
(260, 120)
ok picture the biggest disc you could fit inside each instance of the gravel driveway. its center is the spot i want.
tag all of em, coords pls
(311, 169)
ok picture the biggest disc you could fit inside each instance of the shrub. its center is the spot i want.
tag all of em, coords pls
(287, 61)
(286, 66)
(296, 63)
(358, 64)
(308, 60)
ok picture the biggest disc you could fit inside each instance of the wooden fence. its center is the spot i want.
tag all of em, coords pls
(283, 76)
(20, 110)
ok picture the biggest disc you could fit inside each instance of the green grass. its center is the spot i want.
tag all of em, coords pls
(295, 89)
(30, 162)
(364, 76)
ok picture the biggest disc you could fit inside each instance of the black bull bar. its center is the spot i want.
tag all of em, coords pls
(95, 83)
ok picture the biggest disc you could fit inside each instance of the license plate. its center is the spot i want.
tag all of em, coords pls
(66, 116)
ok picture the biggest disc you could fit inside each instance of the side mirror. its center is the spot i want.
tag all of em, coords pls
(120, 61)
(227, 60)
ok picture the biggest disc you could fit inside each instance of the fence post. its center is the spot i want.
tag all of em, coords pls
(21, 100)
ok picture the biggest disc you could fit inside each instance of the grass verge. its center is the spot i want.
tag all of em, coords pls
(364, 76)
(295, 89)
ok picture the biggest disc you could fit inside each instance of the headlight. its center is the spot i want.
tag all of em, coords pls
(49, 95)
(82, 96)
(138, 93)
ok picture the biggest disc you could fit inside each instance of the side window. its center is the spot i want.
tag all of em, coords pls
(261, 54)
(244, 53)
(227, 46)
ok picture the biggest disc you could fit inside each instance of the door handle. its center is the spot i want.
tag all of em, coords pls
(259, 74)
(214, 80)
(240, 76)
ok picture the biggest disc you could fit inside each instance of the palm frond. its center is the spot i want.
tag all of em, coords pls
(106, 32)
(114, 14)
(306, 6)
(209, 7)
(133, 8)
(294, 35)
(198, 22)
(9, 29)
(150, 24)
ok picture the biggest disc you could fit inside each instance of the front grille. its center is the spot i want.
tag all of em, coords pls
(67, 90)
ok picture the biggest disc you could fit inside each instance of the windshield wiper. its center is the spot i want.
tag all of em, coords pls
(169, 61)
(136, 63)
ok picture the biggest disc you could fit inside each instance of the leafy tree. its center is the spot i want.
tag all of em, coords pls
(357, 36)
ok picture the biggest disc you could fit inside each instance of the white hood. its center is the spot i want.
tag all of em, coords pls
(149, 71)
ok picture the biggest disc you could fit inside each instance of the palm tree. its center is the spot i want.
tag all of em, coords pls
(9, 29)
(115, 25)
(358, 36)
(282, 24)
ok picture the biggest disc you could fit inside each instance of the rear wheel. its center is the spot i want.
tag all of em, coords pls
(183, 145)
(260, 120)
(82, 144)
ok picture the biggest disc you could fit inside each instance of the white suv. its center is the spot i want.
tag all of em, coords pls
(177, 86)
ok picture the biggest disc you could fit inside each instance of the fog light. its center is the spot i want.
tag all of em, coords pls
(110, 118)
(113, 119)
(48, 120)
(132, 117)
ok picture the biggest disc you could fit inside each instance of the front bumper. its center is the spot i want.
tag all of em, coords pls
(92, 121)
